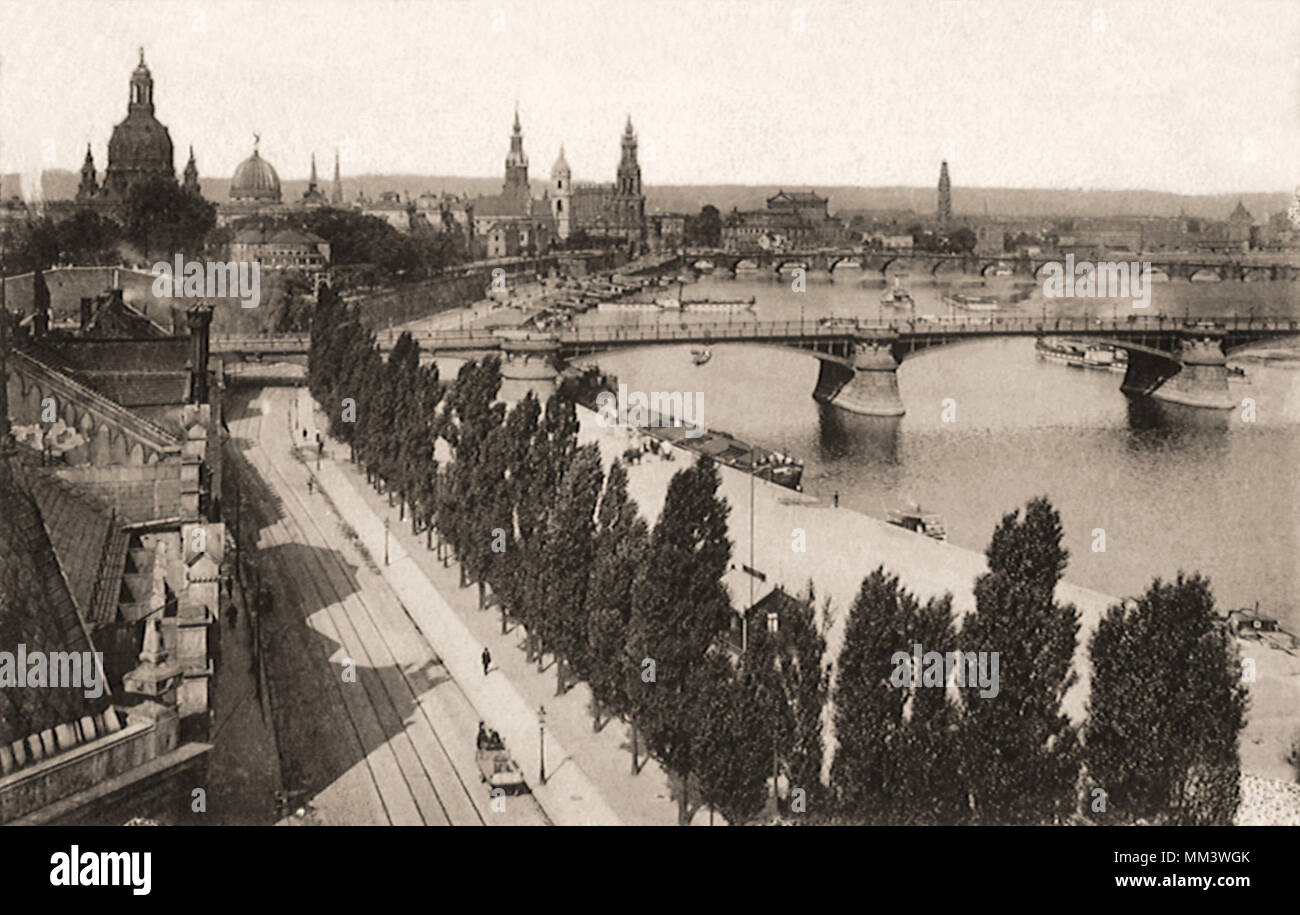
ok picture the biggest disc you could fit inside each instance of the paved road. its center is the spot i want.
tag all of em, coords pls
(378, 731)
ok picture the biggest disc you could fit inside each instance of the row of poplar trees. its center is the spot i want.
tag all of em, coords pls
(638, 613)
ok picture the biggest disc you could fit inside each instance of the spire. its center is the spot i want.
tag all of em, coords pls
(313, 171)
(142, 56)
(337, 196)
(516, 184)
(627, 131)
(191, 178)
(88, 186)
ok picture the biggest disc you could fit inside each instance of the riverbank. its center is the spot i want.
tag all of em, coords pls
(842, 546)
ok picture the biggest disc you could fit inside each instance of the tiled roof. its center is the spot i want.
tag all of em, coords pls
(115, 318)
(501, 205)
(140, 389)
(89, 354)
(36, 610)
(88, 541)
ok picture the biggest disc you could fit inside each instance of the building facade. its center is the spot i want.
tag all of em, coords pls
(610, 211)
(790, 221)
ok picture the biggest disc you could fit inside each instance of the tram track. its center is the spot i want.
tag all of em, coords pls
(408, 762)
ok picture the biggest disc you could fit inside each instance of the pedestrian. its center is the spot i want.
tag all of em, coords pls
(487, 661)
(835, 498)
(309, 485)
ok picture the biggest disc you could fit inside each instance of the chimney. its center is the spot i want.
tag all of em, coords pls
(87, 311)
(199, 319)
(40, 305)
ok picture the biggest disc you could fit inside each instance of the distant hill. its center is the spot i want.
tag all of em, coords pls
(966, 201)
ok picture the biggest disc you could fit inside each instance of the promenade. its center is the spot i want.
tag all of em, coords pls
(839, 547)
(589, 774)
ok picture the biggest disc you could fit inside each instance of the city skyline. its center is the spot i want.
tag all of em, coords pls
(577, 70)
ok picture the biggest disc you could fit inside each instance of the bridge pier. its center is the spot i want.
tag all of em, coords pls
(1195, 376)
(528, 365)
(869, 388)
(1203, 379)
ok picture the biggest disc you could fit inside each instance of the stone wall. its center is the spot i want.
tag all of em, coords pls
(124, 770)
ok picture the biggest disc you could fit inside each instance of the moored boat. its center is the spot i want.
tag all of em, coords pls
(1082, 355)
(912, 517)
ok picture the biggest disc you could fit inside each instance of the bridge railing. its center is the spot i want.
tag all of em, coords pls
(981, 325)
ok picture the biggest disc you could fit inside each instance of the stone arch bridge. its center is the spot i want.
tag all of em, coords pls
(1175, 266)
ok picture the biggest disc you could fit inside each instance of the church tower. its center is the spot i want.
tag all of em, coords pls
(629, 172)
(311, 182)
(516, 185)
(336, 195)
(562, 195)
(88, 187)
(191, 178)
(944, 213)
(629, 202)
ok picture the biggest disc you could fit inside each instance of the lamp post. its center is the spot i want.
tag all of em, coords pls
(541, 743)
(744, 617)
(385, 541)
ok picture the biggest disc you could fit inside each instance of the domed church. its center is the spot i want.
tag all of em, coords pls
(255, 180)
(255, 190)
(140, 148)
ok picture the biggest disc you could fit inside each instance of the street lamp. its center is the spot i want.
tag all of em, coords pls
(385, 541)
(541, 742)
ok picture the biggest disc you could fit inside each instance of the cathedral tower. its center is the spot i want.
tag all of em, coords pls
(629, 202)
(629, 172)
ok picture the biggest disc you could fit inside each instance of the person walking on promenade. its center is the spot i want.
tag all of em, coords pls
(487, 661)
(835, 498)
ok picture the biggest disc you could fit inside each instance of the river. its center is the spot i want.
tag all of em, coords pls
(1167, 488)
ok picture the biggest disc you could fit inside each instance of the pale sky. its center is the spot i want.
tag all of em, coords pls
(1183, 95)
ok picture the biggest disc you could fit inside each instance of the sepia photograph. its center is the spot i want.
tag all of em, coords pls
(650, 413)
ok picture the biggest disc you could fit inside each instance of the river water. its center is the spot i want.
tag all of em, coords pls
(1169, 488)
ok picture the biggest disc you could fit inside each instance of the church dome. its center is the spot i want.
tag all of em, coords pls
(255, 179)
(141, 144)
